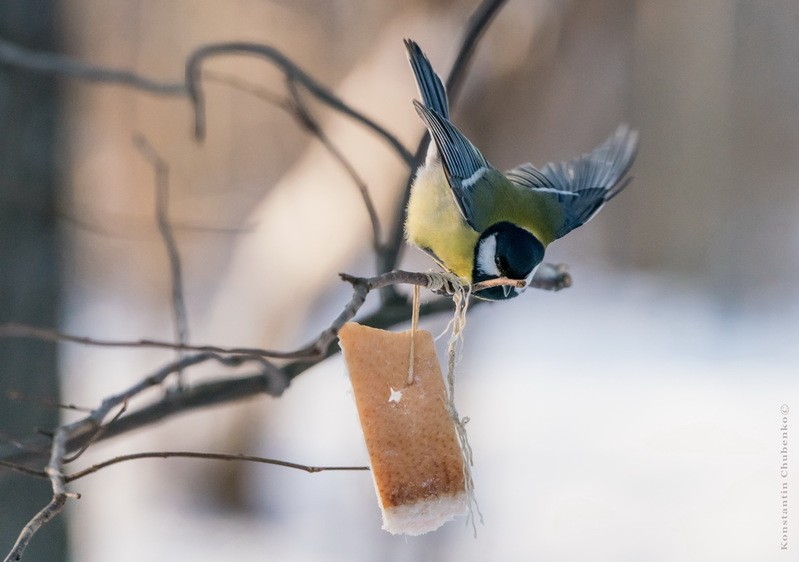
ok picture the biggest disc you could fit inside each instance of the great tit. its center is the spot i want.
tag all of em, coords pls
(481, 224)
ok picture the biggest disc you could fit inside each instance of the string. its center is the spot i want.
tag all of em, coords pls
(414, 327)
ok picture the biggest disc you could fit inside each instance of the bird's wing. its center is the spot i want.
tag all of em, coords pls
(432, 90)
(469, 174)
(581, 186)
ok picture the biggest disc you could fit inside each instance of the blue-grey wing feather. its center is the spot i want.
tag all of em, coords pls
(432, 90)
(464, 165)
(581, 186)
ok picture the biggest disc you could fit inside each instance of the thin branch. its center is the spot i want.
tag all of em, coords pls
(18, 444)
(499, 282)
(295, 106)
(96, 435)
(56, 503)
(16, 330)
(477, 24)
(179, 315)
(48, 402)
(291, 71)
(53, 63)
(269, 372)
(309, 123)
(246, 86)
(212, 456)
(23, 469)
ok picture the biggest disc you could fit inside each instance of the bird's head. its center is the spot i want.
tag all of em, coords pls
(505, 250)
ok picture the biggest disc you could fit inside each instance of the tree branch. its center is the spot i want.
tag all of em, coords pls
(303, 115)
(53, 63)
(56, 503)
(212, 456)
(296, 107)
(292, 72)
(179, 316)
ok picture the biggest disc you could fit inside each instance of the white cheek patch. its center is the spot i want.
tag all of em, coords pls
(486, 256)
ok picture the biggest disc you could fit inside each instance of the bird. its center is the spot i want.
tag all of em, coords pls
(482, 224)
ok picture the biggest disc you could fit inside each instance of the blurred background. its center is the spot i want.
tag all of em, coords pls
(635, 416)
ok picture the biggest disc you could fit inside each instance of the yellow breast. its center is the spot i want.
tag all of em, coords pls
(435, 222)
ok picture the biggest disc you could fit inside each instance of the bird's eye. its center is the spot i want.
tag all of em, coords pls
(501, 263)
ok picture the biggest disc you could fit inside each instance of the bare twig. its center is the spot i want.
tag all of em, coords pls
(291, 71)
(499, 282)
(56, 503)
(478, 22)
(309, 123)
(83, 429)
(16, 330)
(96, 435)
(246, 86)
(296, 107)
(212, 456)
(48, 402)
(178, 454)
(53, 63)
(179, 315)
(18, 444)
(23, 469)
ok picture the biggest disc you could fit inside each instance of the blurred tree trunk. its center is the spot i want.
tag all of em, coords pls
(29, 268)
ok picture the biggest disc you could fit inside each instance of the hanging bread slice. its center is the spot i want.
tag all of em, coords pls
(415, 455)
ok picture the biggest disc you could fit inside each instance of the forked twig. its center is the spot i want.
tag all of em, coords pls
(291, 71)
